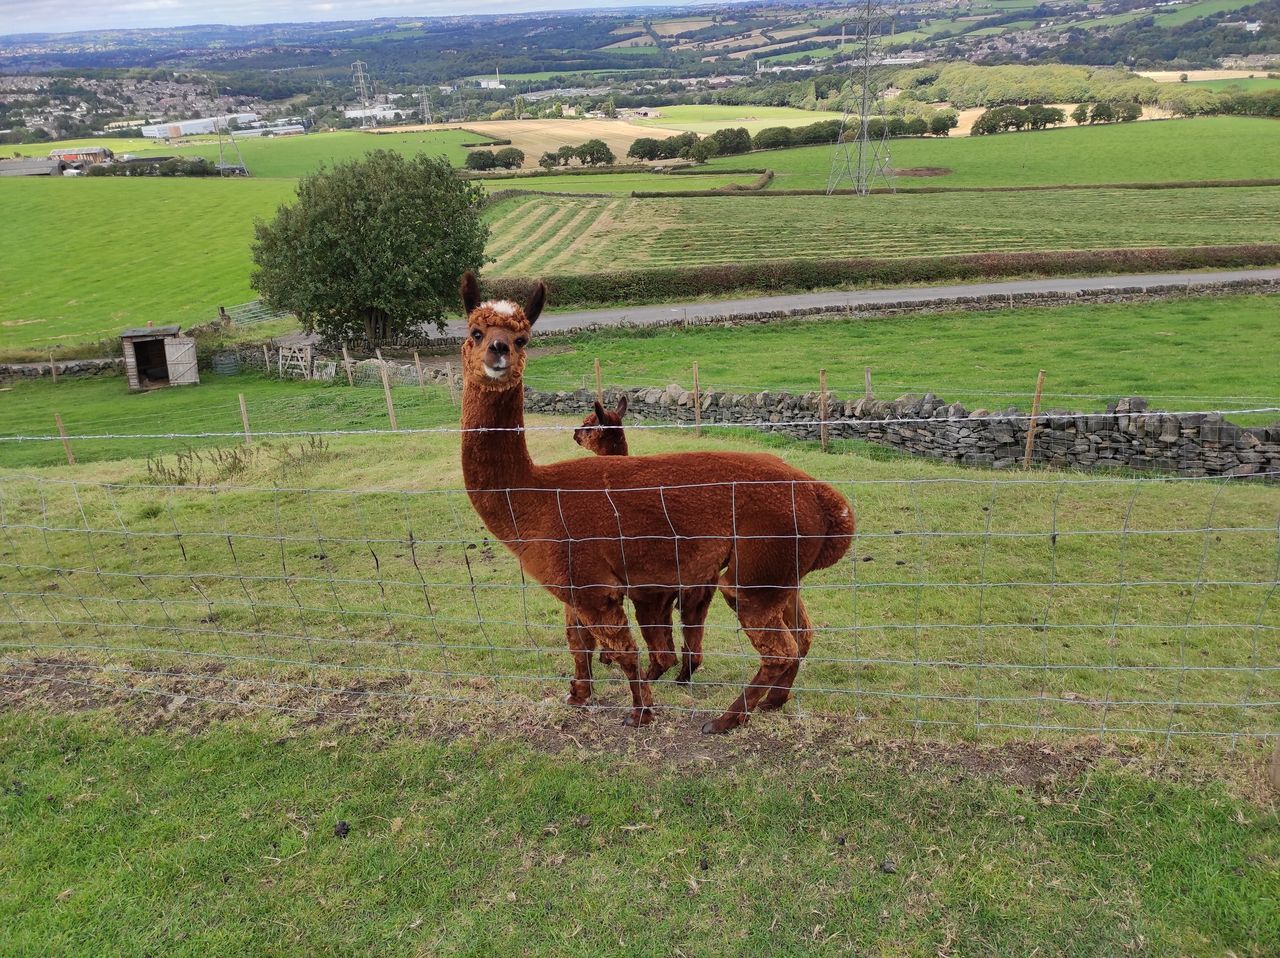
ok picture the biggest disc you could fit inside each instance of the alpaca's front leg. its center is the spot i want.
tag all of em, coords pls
(581, 644)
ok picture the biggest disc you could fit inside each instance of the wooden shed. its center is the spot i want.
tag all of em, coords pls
(157, 356)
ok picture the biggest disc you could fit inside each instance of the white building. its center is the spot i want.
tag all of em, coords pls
(209, 124)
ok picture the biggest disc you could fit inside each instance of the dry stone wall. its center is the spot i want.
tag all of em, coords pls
(66, 367)
(1126, 435)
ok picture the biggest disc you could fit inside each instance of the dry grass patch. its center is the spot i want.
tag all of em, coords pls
(536, 137)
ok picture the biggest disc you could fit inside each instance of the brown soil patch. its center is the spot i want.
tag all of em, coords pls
(924, 171)
(183, 701)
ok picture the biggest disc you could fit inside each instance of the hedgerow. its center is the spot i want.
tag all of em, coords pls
(682, 282)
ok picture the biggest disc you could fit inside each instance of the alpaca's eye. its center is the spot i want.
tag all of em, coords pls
(520, 342)
(477, 335)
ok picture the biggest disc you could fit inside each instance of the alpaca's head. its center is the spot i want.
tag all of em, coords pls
(493, 353)
(601, 432)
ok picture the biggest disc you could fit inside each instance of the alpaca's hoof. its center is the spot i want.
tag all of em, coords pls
(725, 723)
(683, 679)
(638, 717)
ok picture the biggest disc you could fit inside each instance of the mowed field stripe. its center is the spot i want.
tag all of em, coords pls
(506, 232)
(604, 219)
(527, 248)
(564, 236)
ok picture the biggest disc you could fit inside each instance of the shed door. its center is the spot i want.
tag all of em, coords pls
(180, 354)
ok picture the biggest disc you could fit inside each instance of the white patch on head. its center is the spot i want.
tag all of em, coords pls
(503, 307)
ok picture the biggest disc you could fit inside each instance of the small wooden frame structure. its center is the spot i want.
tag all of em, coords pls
(158, 356)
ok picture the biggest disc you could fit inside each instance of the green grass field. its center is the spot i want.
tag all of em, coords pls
(115, 144)
(174, 250)
(1093, 353)
(137, 840)
(1242, 83)
(283, 156)
(549, 234)
(982, 359)
(707, 118)
(165, 250)
(1121, 153)
(1188, 12)
(294, 156)
(923, 655)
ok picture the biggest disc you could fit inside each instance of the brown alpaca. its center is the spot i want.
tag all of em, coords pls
(595, 531)
(602, 433)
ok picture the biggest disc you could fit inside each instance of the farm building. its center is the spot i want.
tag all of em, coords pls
(82, 154)
(32, 167)
(157, 356)
(208, 124)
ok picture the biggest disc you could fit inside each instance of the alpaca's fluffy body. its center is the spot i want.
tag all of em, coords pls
(593, 531)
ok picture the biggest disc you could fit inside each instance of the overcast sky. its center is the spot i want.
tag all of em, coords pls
(61, 16)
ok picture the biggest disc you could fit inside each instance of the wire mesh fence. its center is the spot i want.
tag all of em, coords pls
(982, 607)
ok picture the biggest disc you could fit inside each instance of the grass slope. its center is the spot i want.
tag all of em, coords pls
(620, 183)
(909, 624)
(705, 230)
(223, 842)
(1120, 153)
(166, 250)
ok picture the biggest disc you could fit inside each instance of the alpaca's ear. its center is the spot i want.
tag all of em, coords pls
(599, 413)
(533, 308)
(622, 406)
(470, 288)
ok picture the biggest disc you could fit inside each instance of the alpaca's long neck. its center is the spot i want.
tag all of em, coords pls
(497, 459)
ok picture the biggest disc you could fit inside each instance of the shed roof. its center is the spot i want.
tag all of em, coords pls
(31, 167)
(144, 331)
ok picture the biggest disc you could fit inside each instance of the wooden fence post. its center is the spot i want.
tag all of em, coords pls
(266, 360)
(386, 392)
(822, 407)
(1031, 423)
(346, 363)
(697, 403)
(244, 421)
(453, 389)
(417, 364)
(66, 443)
(599, 384)
(866, 381)
(53, 369)
(307, 372)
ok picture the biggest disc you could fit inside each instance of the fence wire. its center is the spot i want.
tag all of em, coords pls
(982, 607)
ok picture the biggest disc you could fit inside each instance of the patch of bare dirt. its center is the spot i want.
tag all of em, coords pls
(924, 171)
(191, 700)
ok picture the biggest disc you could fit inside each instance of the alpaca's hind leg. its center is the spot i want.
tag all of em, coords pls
(764, 619)
(608, 625)
(581, 645)
(694, 604)
(802, 630)
(653, 615)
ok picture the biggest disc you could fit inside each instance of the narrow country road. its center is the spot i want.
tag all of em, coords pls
(559, 322)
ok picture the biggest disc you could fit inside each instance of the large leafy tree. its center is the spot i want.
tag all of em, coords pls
(372, 248)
